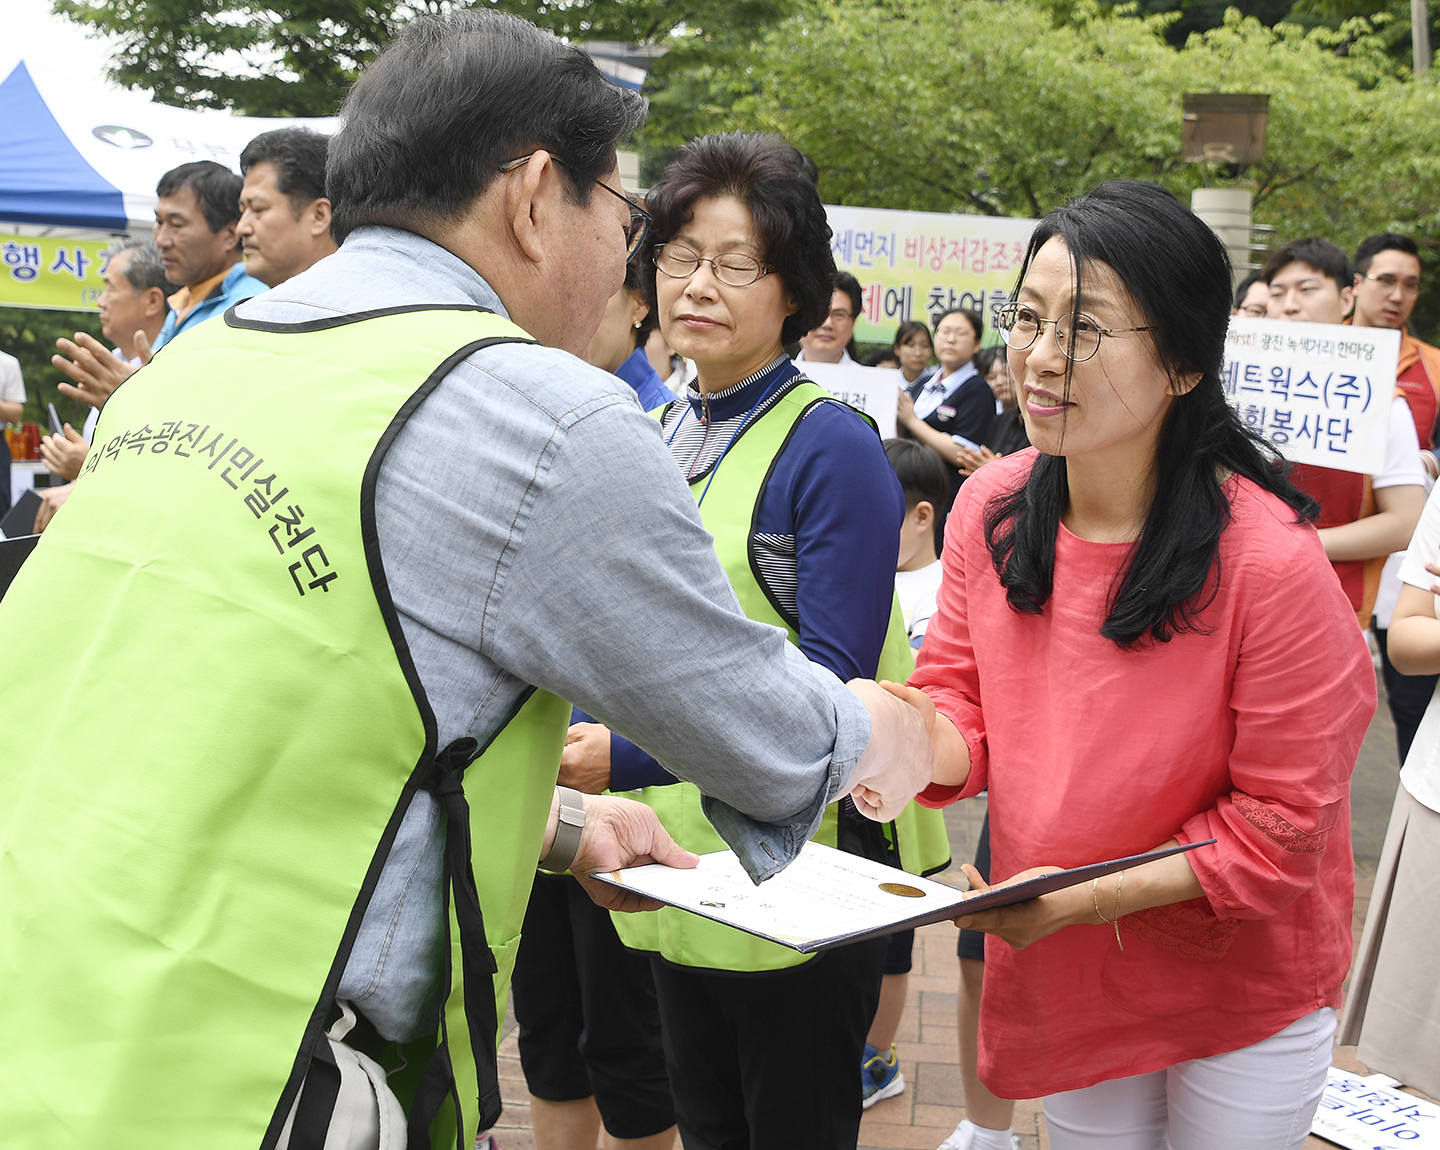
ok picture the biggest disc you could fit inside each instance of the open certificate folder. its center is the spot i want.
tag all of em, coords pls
(827, 898)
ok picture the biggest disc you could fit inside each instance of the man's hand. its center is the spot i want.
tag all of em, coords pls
(64, 454)
(51, 500)
(95, 371)
(585, 761)
(620, 833)
(899, 759)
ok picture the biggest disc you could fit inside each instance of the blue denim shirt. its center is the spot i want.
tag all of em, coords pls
(535, 531)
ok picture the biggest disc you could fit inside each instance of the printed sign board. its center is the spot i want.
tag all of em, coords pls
(915, 265)
(51, 273)
(1371, 1114)
(1319, 392)
(874, 390)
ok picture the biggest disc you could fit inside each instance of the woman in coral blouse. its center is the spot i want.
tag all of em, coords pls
(1139, 642)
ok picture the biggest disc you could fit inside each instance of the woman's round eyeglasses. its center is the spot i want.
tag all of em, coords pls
(732, 268)
(1077, 336)
(635, 231)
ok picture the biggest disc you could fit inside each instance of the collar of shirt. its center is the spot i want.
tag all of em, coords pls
(741, 397)
(187, 298)
(933, 394)
(375, 268)
(844, 357)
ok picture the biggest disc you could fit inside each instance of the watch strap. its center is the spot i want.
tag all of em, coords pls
(567, 831)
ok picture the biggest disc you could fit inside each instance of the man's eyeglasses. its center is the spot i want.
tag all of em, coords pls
(1410, 285)
(1079, 338)
(732, 268)
(635, 231)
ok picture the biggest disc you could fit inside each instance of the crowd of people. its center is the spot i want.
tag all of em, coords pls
(479, 584)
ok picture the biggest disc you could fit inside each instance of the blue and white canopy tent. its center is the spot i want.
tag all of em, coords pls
(77, 157)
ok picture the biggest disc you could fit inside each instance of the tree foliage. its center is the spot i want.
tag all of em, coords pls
(967, 105)
(29, 335)
(299, 58)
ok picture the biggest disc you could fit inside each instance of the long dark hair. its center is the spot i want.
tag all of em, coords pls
(1178, 273)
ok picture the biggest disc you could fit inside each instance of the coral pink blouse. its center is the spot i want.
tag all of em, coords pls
(1246, 733)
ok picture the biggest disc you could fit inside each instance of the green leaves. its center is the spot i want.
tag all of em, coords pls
(976, 106)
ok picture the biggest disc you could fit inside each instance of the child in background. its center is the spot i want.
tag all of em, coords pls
(917, 580)
(917, 573)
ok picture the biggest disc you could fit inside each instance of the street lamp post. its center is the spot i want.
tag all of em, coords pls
(1226, 128)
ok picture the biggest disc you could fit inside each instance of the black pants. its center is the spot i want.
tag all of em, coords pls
(971, 943)
(589, 1023)
(1409, 695)
(770, 1061)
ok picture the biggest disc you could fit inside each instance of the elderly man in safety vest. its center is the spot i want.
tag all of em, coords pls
(269, 820)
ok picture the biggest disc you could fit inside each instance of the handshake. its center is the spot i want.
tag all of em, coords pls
(899, 761)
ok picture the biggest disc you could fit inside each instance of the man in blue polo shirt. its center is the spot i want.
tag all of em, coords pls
(197, 215)
(196, 218)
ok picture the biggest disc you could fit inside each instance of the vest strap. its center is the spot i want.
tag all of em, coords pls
(317, 1100)
(444, 778)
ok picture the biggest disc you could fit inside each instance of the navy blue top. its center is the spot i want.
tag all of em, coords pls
(649, 388)
(829, 519)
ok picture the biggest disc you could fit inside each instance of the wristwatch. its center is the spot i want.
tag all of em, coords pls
(567, 831)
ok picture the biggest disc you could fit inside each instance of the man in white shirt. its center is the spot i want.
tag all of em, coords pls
(12, 406)
(132, 312)
(834, 340)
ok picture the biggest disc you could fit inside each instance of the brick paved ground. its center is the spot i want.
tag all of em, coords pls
(929, 1108)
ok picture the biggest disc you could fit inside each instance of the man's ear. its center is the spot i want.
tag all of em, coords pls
(229, 236)
(154, 302)
(319, 213)
(924, 514)
(530, 201)
(1347, 300)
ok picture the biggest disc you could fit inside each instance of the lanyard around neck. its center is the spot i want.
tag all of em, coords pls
(714, 467)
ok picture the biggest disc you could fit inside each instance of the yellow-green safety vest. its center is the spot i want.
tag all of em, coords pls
(729, 511)
(215, 729)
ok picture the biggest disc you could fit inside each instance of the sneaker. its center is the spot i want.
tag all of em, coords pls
(880, 1076)
(485, 1140)
(963, 1138)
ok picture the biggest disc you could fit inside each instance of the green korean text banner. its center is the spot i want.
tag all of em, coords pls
(56, 273)
(915, 265)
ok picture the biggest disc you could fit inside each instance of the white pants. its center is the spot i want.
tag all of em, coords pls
(1262, 1097)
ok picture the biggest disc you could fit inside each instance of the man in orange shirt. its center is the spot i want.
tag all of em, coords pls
(1387, 283)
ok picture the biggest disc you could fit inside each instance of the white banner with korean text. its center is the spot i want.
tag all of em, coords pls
(873, 390)
(915, 265)
(1319, 392)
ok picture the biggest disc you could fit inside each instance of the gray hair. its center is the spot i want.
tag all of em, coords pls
(144, 270)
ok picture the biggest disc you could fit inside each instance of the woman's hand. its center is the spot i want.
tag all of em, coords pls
(905, 411)
(585, 761)
(1022, 923)
(969, 461)
(948, 748)
(1159, 883)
